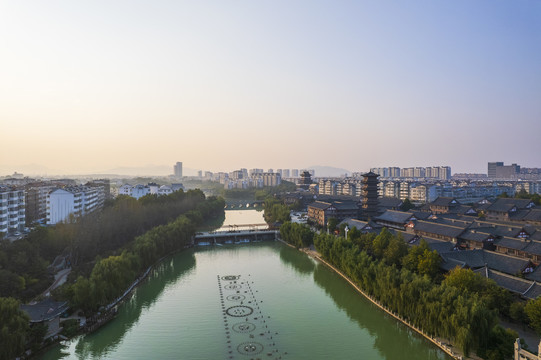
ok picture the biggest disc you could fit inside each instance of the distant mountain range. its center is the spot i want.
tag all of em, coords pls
(328, 171)
(146, 170)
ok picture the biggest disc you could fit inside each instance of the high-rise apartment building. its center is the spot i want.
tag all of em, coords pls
(12, 209)
(178, 169)
(394, 172)
(271, 179)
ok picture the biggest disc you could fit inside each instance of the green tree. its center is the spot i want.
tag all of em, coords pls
(395, 250)
(517, 312)
(429, 263)
(406, 205)
(533, 311)
(14, 328)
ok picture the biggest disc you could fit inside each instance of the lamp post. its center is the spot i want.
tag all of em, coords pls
(328, 227)
(346, 229)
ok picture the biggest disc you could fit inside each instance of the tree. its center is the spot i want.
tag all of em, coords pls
(429, 263)
(13, 328)
(533, 310)
(517, 312)
(395, 250)
(464, 280)
(406, 205)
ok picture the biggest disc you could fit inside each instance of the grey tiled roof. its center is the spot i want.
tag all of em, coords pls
(518, 215)
(319, 205)
(462, 209)
(470, 258)
(533, 215)
(493, 260)
(474, 235)
(534, 292)
(443, 201)
(440, 246)
(439, 229)
(361, 224)
(420, 215)
(389, 202)
(44, 310)
(450, 264)
(450, 219)
(482, 207)
(527, 288)
(346, 205)
(533, 247)
(399, 217)
(511, 283)
(511, 243)
(536, 236)
(535, 275)
(504, 263)
(434, 244)
(505, 204)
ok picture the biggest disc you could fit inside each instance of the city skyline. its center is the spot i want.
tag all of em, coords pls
(92, 87)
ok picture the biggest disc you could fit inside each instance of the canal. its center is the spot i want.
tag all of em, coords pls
(250, 301)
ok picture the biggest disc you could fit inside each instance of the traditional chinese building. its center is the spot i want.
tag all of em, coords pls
(369, 196)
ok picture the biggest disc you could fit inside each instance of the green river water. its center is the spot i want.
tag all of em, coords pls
(250, 301)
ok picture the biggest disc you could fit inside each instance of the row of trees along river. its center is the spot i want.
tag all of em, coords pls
(460, 306)
(108, 250)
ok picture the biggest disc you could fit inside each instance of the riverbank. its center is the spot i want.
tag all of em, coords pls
(449, 349)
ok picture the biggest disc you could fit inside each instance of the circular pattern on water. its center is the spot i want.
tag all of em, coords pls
(244, 327)
(230, 277)
(239, 311)
(250, 348)
(236, 297)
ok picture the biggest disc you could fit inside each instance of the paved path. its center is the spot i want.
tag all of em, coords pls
(531, 338)
(59, 279)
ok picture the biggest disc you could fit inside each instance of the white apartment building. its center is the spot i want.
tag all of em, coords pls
(165, 190)
(138, 191)
(76, 201)
(12, 210)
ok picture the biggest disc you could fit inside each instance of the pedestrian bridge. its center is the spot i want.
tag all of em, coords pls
(234, 236)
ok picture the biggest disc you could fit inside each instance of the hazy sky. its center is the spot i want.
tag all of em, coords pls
(91, 85)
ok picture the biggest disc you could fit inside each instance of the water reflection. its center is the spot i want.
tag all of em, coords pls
(392, 339)
(107, 339)
(302, 264)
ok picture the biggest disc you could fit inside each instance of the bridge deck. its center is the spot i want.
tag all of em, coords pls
(240, 233)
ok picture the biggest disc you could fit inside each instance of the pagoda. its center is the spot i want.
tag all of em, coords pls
(369, 199)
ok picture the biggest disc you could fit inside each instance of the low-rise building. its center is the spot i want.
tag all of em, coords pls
(320, 212)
